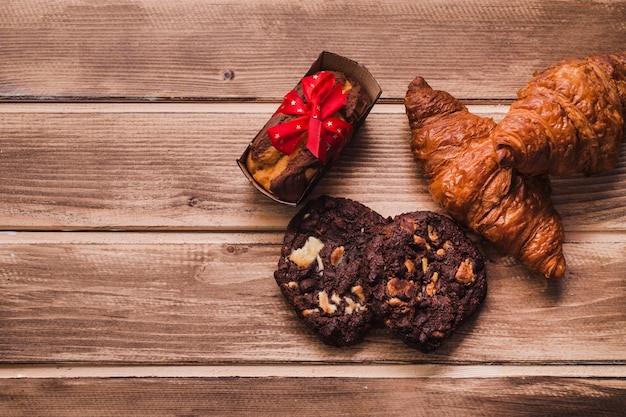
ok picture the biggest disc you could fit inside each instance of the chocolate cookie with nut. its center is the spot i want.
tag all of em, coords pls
(426, 277)
(319, 268)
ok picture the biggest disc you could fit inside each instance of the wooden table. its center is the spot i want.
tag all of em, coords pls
(136, 260)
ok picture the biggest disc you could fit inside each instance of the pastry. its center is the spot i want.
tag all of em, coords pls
(455, 150)
(569, 119)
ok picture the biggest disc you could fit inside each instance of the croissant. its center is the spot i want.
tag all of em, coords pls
(455, 150)
(569, 119)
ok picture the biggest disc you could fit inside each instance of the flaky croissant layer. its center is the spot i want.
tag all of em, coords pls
(569, 119)
(456, 152)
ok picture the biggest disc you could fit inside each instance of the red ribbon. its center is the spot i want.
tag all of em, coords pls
(323, 98)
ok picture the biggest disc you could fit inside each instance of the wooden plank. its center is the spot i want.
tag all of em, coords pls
(534, 396)
(317, 370)
(210, 298)
(155, 49)
(192, 322)
(135, 167)
(123, 170)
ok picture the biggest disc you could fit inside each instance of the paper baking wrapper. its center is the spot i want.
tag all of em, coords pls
(330, 62)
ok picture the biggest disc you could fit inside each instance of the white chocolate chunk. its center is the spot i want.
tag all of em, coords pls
(320, 263)
(308, 253)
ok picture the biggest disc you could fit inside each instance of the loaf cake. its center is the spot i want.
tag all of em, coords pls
(288, 172)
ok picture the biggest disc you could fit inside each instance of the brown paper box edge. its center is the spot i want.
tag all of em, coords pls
(331, 62)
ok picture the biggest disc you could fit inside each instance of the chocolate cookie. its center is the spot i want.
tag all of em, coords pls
(426, 277)
(319, 268)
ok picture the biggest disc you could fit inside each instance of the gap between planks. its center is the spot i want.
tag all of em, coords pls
(105, 107)
(361, 371)
(210, 236)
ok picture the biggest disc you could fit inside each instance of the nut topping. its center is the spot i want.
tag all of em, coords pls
(358, 291)
(396, 302)
(409, 265)
(465, 273)
(446, 245)
(336, 256)
(408, 225)
(432, 234)
(325, 304)
(350, 305)
(310, 311)
(395, 286)
(430, 289)
(419, 240)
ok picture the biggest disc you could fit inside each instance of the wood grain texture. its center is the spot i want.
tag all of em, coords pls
(392, 370)
(314, 396)
(136, 260)
(91, 169)
(155, 49)
(211, 298)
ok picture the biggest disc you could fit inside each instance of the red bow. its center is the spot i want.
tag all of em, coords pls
(323, 98)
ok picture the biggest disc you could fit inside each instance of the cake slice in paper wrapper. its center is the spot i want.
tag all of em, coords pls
(309, 130)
